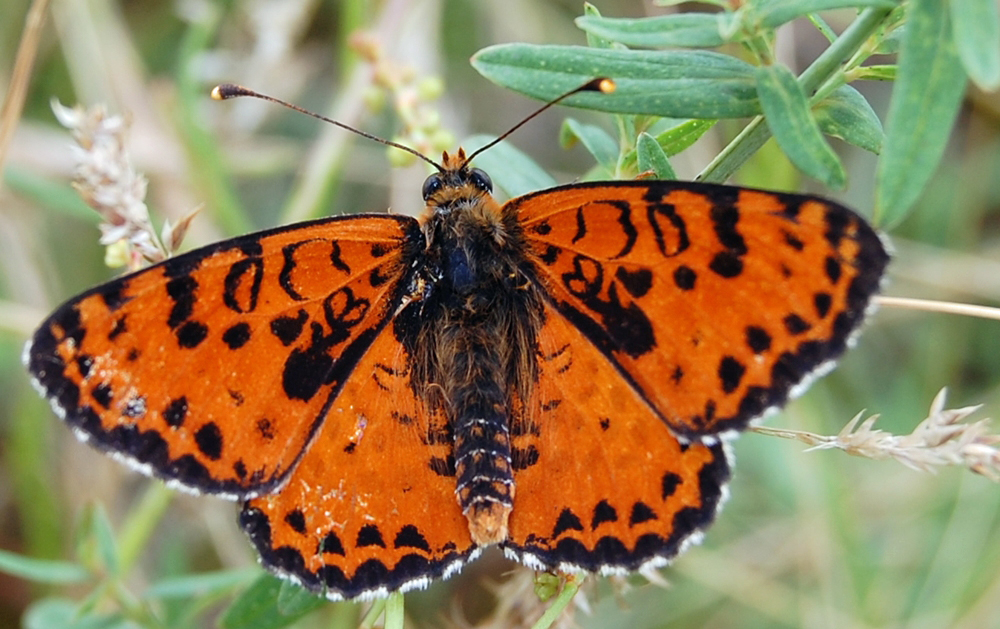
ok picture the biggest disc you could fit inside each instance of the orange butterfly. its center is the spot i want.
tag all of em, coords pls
(390, 395)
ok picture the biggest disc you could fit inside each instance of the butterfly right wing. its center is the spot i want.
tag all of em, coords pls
(603, 485)
(715, 303)
(214, 369)
(371, 507)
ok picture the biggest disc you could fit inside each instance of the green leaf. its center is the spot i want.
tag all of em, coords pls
(651, 158)
(845, 114)
(511, 170)
(258, 607)
(976, 28)
(787, 112)
(774, 13)
(925, 101)
(678, 136)
(689, 30)
(593, 40)
(58, 613)
(875, 73)
(294, 600)
(673, 84)
(101, 529)
(41, 570)
(681, 136)
(596, 140)
(199, 584)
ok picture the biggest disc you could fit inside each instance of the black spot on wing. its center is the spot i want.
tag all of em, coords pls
(410, 537)
(641, 512)
(684, 277)
(236, 336)
(758, 340)
(208, 438)
(567, 521)
(191, 334)
(176, 412)
(603, 512)
(369, 535)
(637, 283)
(296, 520)
(731, 372)
(287, 329)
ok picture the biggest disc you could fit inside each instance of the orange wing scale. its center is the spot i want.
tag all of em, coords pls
(714, 302)
(372, 507)
(602, 484)
(214, 368)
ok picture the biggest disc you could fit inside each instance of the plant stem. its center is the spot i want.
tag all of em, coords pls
(756, 133)
(570, 588)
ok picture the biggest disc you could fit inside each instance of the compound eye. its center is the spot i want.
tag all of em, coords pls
(431, 185)
(481, 180)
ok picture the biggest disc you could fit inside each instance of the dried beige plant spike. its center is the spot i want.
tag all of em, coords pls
(106, 181)
(939, 440)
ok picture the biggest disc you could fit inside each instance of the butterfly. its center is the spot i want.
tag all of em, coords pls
(387, 396)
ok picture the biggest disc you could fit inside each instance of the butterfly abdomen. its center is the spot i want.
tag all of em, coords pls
(472, 340)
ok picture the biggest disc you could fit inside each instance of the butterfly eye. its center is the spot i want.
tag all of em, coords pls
(481, 180)
(431, 185)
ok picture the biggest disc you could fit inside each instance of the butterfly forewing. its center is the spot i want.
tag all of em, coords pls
(371, 508)
(713, 302)
(214, 368)
(602, 483)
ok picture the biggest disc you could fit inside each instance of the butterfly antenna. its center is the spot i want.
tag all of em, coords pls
(600, 84)
(226, 91)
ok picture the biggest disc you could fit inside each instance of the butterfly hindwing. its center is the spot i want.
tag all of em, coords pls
(602, 483)
(214, 368)
(371, 506)
(669, 280)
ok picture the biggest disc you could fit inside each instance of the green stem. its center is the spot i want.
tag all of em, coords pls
(551, 615)
(822, 70)
(141, 522)
(394, 611)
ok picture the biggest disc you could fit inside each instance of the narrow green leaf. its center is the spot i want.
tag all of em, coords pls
(845, 114)
(41, 570)
(876, 73)
(677, 138)
(593, 40)
(58, 613)
(674, 84)
(787, 112)
(689, 30)
(651, 158)
(295, 600)
(976, 28)
(596, 140)
(105, 538)
(257, 607)
(510, 169)
(923, 107)
(891, 42)
(774, 13)
(199, 584)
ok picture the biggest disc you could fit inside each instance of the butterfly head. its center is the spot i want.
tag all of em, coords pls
(455, 182)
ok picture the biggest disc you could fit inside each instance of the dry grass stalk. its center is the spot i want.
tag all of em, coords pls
(108, 184)
(939, 440)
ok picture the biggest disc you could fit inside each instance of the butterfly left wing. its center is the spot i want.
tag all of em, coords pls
(715, 303)
(214, 369)
(602, 484)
